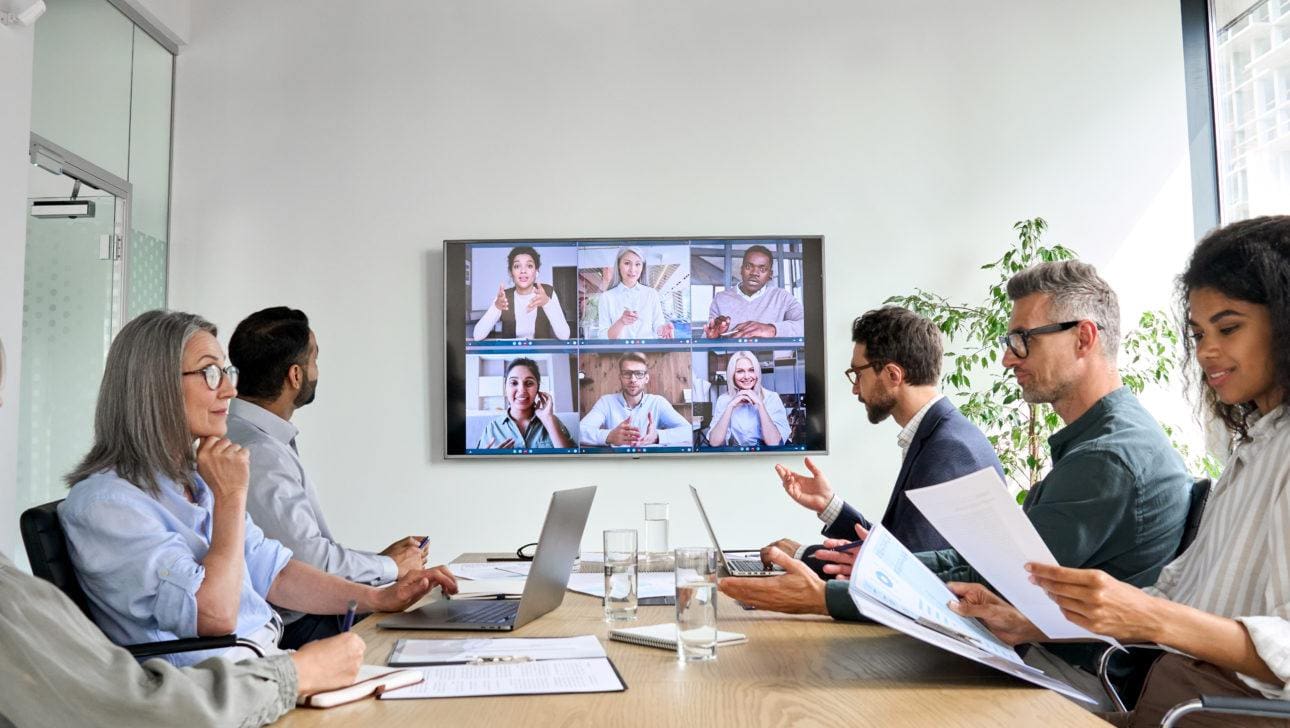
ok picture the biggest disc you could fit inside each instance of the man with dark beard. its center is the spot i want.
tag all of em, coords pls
(276, 354)
(895, 365)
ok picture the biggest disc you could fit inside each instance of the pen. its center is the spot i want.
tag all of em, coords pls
(349, 615)
(423, 542)
(848, 546)
(492, 659)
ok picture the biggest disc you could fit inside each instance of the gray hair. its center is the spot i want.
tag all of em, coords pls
(140, 427)
(1077, 292)
(640, 253)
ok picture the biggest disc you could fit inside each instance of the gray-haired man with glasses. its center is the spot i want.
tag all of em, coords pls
(1117, 495)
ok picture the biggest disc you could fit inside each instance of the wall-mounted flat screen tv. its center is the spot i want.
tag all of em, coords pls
(634, 346)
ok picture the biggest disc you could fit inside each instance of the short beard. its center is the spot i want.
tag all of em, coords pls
(306, 394)
(1045, 395)
(880, 409)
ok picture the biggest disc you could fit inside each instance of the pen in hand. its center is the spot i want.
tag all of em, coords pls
(349, 615)
(847, 546)
(423, 543)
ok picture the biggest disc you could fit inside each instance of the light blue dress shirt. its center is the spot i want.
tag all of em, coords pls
(611, 409)
(139, 560)
(745, 423)
(282, 500)
(503, 428)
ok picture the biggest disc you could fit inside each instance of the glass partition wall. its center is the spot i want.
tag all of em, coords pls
(99, 204)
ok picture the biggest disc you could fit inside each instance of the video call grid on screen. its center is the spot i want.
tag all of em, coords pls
(667, 323)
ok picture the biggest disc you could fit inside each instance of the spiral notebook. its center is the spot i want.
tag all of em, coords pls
(663, 636)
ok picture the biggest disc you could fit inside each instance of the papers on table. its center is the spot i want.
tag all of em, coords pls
(595, 675)
(435, 652)
(891, 586)
(494, 570)
(490, 589)
(979, 519)
(648, 584)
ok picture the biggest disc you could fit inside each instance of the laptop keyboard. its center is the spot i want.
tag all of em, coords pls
(746, 566)
(495, 612)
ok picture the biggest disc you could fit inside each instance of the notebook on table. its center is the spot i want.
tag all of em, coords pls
(372, 680)
(663, 636)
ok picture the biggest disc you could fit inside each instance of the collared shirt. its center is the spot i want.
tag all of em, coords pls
(611, 409)
(771, 305)
(903, 439)
(282, 500)
(1239, 564)
(59, 669)
(640, 298)
(906, 434)
(745, 422)
(504, 428)
(139, 559)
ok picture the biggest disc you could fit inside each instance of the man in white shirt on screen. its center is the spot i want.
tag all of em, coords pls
(276, 354)
(632, 417)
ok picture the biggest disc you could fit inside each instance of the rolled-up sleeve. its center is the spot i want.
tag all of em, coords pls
(132, 564)
(265, 558)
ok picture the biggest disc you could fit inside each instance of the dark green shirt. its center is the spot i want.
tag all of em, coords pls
(1116, 500)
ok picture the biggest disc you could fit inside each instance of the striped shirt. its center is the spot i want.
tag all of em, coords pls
(1239, 565)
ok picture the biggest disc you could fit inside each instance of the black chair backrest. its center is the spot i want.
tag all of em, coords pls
(46, 544)
(1199, 497)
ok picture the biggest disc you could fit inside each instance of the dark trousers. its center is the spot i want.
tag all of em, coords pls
(312, 627)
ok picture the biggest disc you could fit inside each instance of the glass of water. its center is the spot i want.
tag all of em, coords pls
(656, 532)
(696, 604)
(620, 575)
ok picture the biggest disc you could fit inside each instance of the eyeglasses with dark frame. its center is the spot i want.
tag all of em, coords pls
(633, 373)
(215, 374)
(853, 373)
(1018, 342)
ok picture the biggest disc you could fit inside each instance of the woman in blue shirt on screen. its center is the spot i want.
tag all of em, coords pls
(748, 414)
(529, 421)
(631, 309)
(156, 518)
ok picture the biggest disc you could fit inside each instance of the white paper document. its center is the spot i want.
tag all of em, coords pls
(494, 570)
(892, 587)
(648, 584)
(988, 529)
(410, 652)
(595, 675)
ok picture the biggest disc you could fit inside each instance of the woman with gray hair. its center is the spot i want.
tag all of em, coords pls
(631, 309)
(42, 632)
(156, 518)
(749, 414)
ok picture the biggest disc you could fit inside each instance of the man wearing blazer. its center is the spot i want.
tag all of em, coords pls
(895, 366)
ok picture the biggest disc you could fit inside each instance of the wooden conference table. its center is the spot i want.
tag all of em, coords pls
(793, 671)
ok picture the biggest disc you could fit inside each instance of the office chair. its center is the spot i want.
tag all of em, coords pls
(42, 534)
(1260, 707)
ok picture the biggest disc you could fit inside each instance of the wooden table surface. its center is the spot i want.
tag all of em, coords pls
(793, 671)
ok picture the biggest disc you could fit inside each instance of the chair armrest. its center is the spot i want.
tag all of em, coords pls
(1259, 707)
(1103, 671)
(192, 644)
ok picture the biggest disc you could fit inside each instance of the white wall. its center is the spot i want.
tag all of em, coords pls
(321, 158)
(15, 136)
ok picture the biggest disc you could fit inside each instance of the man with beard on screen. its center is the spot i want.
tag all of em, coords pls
(276, 354)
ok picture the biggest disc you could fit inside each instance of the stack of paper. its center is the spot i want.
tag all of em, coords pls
(648, 584)
(505, 666)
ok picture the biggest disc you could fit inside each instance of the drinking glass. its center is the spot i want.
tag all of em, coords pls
(620, 575)
(656, 532)
(696, 604)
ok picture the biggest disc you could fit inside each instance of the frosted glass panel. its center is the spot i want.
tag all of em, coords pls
(66, 328)
(81, 81)
(149, 174)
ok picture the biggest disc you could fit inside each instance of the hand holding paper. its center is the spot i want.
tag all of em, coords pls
(976, 515)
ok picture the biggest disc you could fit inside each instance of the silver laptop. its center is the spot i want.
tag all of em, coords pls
(558, 544)
(732, 566)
